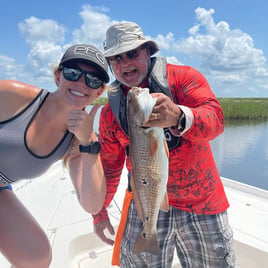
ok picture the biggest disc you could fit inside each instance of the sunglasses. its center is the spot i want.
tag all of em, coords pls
(74, 74)
(132, 55)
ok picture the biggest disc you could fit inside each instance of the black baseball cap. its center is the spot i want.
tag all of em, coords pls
(87, 54)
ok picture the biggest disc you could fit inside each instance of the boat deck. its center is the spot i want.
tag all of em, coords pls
(75, 245)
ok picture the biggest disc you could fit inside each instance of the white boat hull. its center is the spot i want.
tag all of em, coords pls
(71, 231)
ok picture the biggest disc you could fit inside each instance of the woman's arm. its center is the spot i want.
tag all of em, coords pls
(88, 178)
(14, 96)
(85, 169)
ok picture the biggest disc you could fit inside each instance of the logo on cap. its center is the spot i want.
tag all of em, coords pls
(89, 52)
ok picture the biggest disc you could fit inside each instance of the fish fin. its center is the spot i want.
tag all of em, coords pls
(146, 245)
(153, 143)
(165, 204)
(166, 148)
(136, 198)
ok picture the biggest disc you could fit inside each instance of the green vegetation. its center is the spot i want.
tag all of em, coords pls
(234, 108)
(101, 100)
(244, 108)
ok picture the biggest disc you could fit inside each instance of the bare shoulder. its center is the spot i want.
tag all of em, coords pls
(11, 87)
(14, 96)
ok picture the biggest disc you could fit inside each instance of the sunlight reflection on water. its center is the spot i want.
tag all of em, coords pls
(241, 153)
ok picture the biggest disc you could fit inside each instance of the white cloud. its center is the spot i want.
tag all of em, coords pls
(264, 85)
(226, 56)
(46, 39)
(94, 26)
(164, 42)
(194, 30)
(174, 60)
(220, 48)
(8, 68)
(6, 61)
(223, 77)
(261, 72)
(41, 30)
(44, 36)
(41, 57)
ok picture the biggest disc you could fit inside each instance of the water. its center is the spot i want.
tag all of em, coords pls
(241, 152)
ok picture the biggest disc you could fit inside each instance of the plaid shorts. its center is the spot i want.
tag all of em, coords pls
(201, 241)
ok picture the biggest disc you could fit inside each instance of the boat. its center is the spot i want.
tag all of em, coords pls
(52, 201)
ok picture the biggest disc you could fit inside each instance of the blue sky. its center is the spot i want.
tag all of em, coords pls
(224, 39)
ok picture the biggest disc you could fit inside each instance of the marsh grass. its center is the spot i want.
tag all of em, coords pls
(233, 108)
(244, 108)
(101, 100)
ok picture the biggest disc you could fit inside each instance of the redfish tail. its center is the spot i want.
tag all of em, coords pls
(143, 244)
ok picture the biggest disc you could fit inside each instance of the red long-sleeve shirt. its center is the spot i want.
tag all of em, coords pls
(194, 183)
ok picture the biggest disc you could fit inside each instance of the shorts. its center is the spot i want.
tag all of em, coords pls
(203, 241)
(7, 187)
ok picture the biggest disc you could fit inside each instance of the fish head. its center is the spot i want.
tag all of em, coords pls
(140, 105)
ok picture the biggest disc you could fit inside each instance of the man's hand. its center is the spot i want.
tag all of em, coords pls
(165, 112)
(99, 230)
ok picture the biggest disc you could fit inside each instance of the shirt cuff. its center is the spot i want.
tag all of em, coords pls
(101, 216)
(189, 118)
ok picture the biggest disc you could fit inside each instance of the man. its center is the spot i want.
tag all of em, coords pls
(197, 222)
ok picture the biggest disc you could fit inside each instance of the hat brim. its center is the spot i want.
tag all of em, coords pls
(127, 46)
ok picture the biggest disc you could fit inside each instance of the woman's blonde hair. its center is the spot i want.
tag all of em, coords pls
(73, 146)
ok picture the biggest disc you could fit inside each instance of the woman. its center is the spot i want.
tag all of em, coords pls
(37, 128)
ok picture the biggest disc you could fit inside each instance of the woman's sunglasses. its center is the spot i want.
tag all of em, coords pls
(132, 54)
(74, 74)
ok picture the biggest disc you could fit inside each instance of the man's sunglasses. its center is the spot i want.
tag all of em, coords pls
(74, 74)
(132, 54)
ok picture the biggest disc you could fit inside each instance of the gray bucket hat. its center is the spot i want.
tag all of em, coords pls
(125, 36)
(89, 55)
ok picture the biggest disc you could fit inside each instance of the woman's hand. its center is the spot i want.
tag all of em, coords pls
(80, 123)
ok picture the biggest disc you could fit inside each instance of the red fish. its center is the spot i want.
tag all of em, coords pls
(149, 159)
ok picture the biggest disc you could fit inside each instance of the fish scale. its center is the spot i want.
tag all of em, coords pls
(149, 159)
(146, 181)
